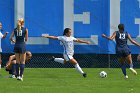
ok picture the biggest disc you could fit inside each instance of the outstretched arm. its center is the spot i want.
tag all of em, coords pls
(51, 37)
(82, 41)
(133, 41)
(5, 34)
(26, 36)
(11, 37)
(109, 38)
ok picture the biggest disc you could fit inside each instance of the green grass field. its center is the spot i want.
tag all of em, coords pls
(67, 80)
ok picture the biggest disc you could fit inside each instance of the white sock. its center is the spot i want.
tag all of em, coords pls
(0, 66)
(78, 68)
(59, 60)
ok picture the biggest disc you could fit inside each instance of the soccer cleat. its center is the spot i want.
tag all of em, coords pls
(84, 75)
(126, 77)
(133, 71)
(52, 58)
(19, 78)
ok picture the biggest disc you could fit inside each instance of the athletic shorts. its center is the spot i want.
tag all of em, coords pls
(0, 50)
(20, 48)
(123, 52)
(67, 57)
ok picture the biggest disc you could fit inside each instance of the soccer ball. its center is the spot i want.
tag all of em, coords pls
(103, 74)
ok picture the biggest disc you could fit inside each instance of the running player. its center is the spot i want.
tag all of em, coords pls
(122, 49)
(68, 44)
(1, 36)
(21, 36)
(11, 64)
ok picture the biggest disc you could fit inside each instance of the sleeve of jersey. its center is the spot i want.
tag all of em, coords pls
(60, 38)
(74, 38)
(1, 35)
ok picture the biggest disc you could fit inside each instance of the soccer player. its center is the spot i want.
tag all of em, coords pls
(11, 64)
(122, 50)
(68, 44)
(21, 36)
(1, 36)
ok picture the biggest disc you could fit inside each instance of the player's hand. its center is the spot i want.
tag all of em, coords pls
(45, 35)
(88, 42)
(103, 35)
(6, 32)
(13, 41)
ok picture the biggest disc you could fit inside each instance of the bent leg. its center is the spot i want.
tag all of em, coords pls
(76, 65)
(129, 60)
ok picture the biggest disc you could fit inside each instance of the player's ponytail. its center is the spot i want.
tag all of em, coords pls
(66, 30)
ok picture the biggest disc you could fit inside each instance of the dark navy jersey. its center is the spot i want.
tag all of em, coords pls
(121, 39)
(20, 35)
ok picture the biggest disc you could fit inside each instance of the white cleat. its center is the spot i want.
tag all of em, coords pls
(126, 77)
(20, 78)
(133, 71)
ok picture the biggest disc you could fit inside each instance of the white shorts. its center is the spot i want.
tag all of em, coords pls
(0, 50)
(67, 57)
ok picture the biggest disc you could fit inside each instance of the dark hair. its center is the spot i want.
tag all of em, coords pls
(66, 30)
(28, 53)
(121, 27)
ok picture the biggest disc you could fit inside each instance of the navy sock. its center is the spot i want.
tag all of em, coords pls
(13, 69)
(123, 69)
(131, 65)
(17, 69)
(22, 66)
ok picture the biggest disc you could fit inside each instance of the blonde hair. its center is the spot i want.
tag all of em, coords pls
(21, 20)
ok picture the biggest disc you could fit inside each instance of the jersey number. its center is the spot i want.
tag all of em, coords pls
(122, 36)
(19, 33)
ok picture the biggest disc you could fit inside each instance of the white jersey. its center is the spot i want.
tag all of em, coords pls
(68, 44)
(1, 35)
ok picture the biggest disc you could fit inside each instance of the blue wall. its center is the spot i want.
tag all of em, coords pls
(47, 16)
(7, 20)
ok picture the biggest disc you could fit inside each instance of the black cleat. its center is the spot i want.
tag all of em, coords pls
(84, 75)
(52, 58)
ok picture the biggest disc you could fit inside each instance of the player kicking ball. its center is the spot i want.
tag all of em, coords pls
(68, 44)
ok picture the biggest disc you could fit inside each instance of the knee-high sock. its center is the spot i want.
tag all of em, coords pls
(78, 68)
(59, 60)
(123, 69)
(131, 65)
(17, 69)
(22, 66)
(13, 69)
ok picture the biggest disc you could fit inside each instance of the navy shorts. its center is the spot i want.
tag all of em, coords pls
(19, 48)
(124, 52)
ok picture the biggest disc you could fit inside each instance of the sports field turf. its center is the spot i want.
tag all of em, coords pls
(67, 80)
